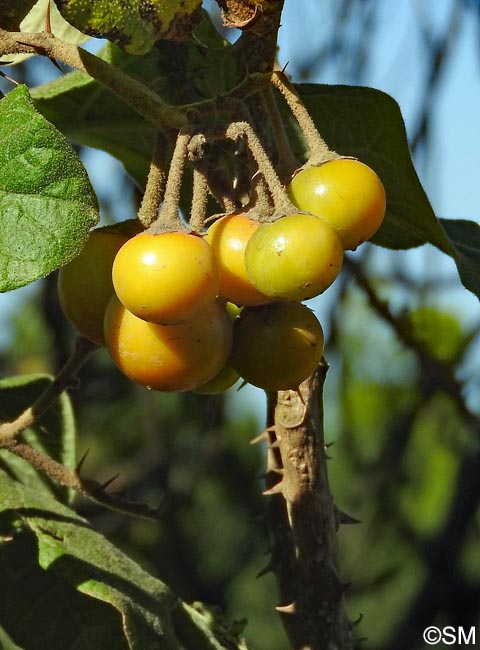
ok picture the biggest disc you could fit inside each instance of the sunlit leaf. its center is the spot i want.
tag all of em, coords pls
(134, 25)
(46, 200)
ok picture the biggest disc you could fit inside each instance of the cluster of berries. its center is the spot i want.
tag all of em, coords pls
(179, 311)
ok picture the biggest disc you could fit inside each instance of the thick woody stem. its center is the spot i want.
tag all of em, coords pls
(319, 151)
(313, 607)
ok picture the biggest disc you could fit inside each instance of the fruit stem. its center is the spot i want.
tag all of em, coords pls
(286, 159)
(169, 218)
(198, 210)
(319, 151)
(281, 201)
(155, 186)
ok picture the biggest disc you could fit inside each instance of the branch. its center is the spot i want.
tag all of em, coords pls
(315, 618)
(81, 353)
(143, 100)
(439, 373)
(86, 487)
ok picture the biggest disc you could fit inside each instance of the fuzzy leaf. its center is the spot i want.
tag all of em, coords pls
(68, 587)
(134, 25)
(54, 433)
(46, 201)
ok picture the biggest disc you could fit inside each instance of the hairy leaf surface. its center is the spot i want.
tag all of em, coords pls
(46, 200)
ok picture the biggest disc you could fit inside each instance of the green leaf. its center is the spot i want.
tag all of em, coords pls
(135, 25)
(465, 238)
(35, 20)
(47, 203)
(68, 587)
(54, 433)
(367, 123)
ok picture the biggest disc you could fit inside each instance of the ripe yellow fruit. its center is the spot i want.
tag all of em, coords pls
(228, 236)
(344, 192)
(167, 278)
(168, 357)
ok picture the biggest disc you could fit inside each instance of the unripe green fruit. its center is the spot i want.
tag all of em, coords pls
(276, 346)
(296, 257)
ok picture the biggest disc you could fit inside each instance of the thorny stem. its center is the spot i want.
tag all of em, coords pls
(155, 187)
(143, 100)
(71, 479)
(319, 151)
(312, 608)
(81, 353)
(169, 219)
(282, 203)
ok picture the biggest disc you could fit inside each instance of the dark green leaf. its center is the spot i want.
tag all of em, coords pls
(46, 201)
(465, 238)
(367, 123)
(135, 25)
(53, 434)
(68, 587)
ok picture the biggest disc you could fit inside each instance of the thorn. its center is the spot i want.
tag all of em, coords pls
(79, 466)
(277, 470)
(104, 485)
(274, 445)
(327, 457)
(266, 569)
(328, 444)
(285, 67)
(344, 518)
(357, 621)
(260, 437)
(48, 23)
(286, 609)
(10, 79)
(50, 58)
(276, 489)
(242, 385)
